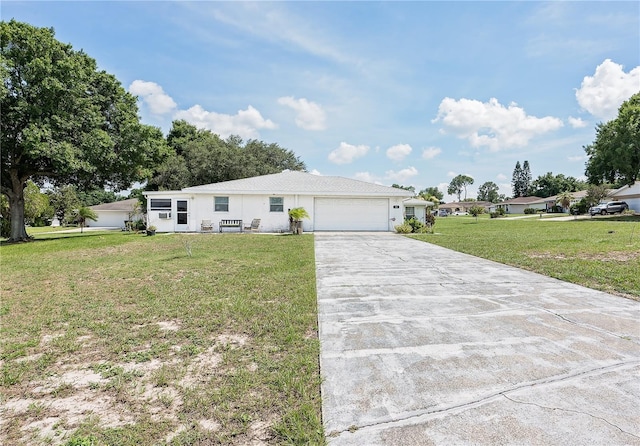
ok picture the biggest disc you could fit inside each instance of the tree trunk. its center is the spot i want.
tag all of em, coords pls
(16, 207)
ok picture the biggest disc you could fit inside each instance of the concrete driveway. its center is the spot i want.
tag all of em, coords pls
(422, 345)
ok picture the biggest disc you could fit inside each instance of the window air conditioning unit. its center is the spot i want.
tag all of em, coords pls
(164, 215)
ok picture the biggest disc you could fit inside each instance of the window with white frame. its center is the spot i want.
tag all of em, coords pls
(160, 204)
(221, 204)
(409, 212)
(276, 204)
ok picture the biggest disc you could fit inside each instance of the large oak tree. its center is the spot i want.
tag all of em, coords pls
(614, 156)
(64, 121)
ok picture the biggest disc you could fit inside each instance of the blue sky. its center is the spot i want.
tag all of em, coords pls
(388, 92)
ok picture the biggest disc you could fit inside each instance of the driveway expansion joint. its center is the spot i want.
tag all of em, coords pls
(493, 396)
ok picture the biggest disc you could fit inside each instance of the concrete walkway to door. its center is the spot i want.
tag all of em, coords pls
(422, 345)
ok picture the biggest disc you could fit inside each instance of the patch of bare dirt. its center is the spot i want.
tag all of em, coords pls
(619, 256)
(76, 389)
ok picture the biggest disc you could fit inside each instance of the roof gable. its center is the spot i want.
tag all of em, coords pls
(302, 183)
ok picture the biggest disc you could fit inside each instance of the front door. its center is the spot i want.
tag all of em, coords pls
(182, 215)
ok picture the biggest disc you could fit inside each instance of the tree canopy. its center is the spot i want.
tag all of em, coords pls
(614, 156)
(489, 192)
(549, 185)
(521, 180)
(459, 184)
(64, 121)
(400, 186)
(202, 157)
(432, 191)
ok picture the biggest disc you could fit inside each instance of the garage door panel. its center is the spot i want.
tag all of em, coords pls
(351, 214)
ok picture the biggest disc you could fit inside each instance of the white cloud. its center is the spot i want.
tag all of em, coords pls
(401, 175)
(315, 172)
(604, 92)
(245, 123)
(501, 177)
(366, 176)
(576, 123)
(398, 152)
(347, 153)
(310, 116)
(431, 152)
(491, 124)
(153, 96)
(451, 174)
(577, 158)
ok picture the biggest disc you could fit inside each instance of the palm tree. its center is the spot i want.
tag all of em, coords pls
(565, 199)
(83, 214)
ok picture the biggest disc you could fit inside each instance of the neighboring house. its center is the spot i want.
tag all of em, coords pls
(464, 206)
(629, 194)
(551, 202)
(333, 204)
(518, 205)
(416, 208)
(114, 215)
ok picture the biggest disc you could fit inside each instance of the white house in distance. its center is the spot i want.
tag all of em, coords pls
(114, 215)
(333, 204)
(629, 194)
(518, 205)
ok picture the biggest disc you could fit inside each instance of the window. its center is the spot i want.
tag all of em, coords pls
(161, 204)
(221, 204)
(276, 204)
(410, 212)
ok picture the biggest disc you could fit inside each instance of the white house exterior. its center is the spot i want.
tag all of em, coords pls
(114, 215)
(333, 204)
(518, 205)
(416, 208)
(629, 194)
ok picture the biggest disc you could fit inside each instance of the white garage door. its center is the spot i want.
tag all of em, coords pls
(351, 214)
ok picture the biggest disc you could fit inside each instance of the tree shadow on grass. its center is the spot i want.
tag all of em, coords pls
(60, 236)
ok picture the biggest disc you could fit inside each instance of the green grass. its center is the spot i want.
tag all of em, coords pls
(36, 230)
(177, 339)
(600, 253)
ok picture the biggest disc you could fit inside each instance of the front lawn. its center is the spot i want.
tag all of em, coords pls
(600, 253)
(122, 339)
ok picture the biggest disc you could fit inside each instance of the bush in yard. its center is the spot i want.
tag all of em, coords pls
(529, 211)
(416, 225)
(404, 228)
(580, 207)
(476, 210)
(500, 211)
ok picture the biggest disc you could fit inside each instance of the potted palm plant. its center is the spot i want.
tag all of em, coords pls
(296, 215)
(151, 230)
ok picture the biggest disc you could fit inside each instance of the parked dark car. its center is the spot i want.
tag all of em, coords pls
(611, 207)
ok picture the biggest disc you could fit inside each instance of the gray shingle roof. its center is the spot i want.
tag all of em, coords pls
(122, 205)
(521, 200)
(301, 183)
